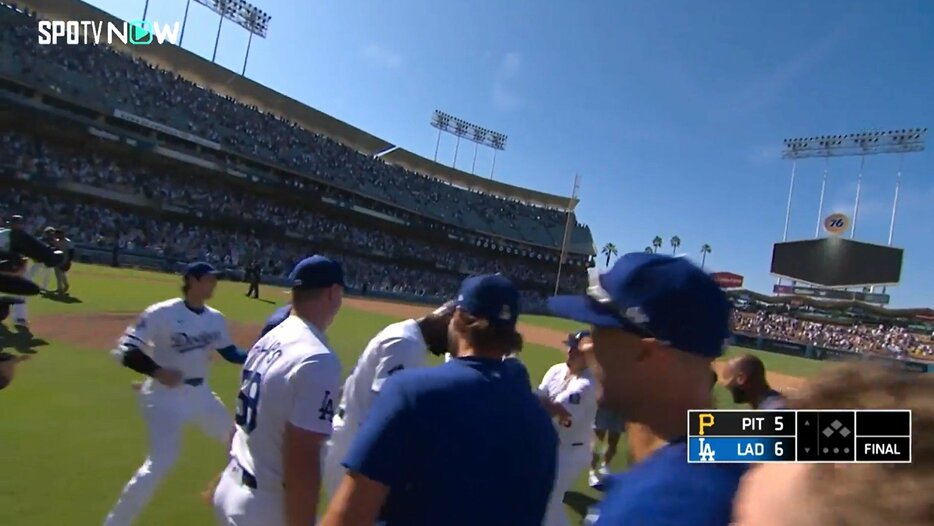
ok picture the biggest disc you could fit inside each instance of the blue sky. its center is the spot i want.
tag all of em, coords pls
(673, 112)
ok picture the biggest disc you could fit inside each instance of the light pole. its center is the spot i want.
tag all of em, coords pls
(820, 205)
(445, 122)
(909, 140)
(898, 184)
(222, 6)
(184, 22)
(240, 12)
(859, 187)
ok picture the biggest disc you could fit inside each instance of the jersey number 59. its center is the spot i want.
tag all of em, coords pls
(248, 400)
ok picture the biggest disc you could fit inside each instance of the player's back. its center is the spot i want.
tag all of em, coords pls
(397, 347)
(481, 451)
(268, 395)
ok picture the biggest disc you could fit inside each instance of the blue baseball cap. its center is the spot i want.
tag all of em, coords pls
(199, 269)
(574, 339)
(491, 297)
(656, 296)
(316, 272)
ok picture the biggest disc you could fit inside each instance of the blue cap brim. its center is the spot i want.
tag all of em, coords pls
(584, 310)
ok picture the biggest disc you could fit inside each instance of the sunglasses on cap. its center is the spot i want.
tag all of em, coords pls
(632, 318)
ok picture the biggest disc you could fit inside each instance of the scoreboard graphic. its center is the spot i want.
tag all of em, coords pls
(737, 436)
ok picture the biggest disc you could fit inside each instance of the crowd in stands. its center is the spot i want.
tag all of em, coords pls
(105, 227)
(204, 199)
(100, 75)
(856, 337)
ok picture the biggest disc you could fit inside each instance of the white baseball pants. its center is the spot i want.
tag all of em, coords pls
(166, 411)
(18, 312)
(39, 272)
(240, 505)
(572, 461)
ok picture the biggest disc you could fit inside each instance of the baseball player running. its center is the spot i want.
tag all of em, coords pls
(285, 408)
(179, 332)
(567, 392)
(400, 346)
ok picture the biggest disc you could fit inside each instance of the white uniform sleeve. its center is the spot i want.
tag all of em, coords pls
(396, 355)
(224, 339)
(143, 334)
(314, 385)
(546, 380)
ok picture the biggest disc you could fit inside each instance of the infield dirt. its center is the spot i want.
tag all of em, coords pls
(100, 330)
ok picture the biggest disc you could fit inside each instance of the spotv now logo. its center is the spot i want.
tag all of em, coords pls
(136, 32)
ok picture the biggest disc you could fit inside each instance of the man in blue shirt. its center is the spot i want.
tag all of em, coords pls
(465, 443)
(657, 324)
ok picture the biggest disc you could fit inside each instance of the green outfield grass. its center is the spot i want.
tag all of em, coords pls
(71, 434)
(550, 322)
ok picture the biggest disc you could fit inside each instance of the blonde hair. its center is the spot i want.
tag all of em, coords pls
(870, 494)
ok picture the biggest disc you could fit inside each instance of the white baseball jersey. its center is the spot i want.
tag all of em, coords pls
(178, 337)
(290, 376)
(578, 396)
(399, 346)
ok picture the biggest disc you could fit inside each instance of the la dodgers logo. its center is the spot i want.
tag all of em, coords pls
(183, 342)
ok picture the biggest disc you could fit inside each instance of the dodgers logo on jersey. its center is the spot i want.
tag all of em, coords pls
(183, 342)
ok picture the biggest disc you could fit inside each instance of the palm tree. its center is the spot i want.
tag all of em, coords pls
(609, 250)
(704, 250)
(675, 243)
(648, 250)
(657, 243)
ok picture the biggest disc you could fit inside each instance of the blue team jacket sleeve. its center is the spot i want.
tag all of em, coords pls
(664, 490)
(233, 354)
(383, 448)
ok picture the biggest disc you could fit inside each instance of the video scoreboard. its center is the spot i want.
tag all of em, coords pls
(736, 436)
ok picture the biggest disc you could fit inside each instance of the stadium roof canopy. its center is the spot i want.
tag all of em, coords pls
(229, 83)
(918, 314)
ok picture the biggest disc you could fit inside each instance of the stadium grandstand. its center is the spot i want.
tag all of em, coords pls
(817, 328)
(153, 156)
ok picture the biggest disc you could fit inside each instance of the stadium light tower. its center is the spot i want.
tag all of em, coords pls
(862, 144)
(480, 136)
(240, 12)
